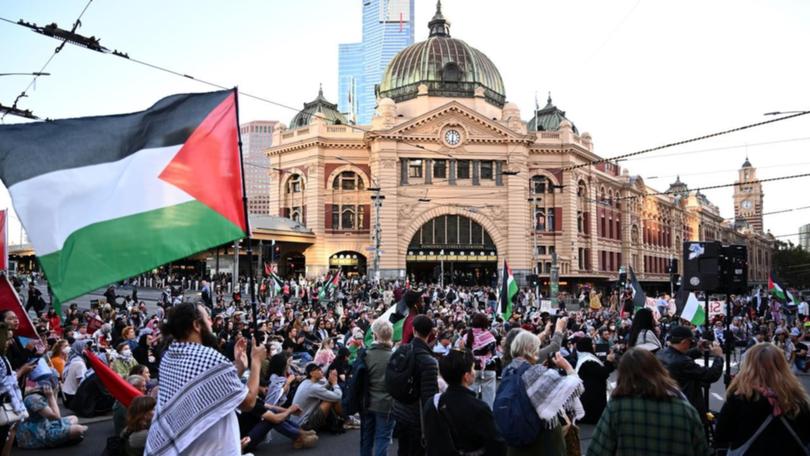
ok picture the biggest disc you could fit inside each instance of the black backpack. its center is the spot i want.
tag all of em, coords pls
(355, 397)
(400, 378)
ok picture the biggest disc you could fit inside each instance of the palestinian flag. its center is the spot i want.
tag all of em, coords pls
(106, 198)
(395, 315)
(276, 282)
(639, 297)
(776, 290)
(328, 286)
(690, 308)
(509, 289)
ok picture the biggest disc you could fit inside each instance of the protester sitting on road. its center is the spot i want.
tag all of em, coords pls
(200, 389)
(139, 419)
(594, 374)
(59, 356)
(691, 377)
(17, 353)
(10, 388)
(642, 332)
(272, 415)
(377, 423)
(123, 361)
(319, 400)
(325, 354)
(119, 410)
(647, 414)
(551, 395)
(455, 421)
(45, 427)
(767, 399)
(74, 370)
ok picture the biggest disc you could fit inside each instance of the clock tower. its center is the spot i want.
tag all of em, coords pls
(748, 197)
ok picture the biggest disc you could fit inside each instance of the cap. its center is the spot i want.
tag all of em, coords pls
(795, 332)
(779, 331)
(311, 367)
(679, 333)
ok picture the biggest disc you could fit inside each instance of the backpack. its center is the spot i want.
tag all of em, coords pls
(400, 378)
(355, 397)
(514, 414)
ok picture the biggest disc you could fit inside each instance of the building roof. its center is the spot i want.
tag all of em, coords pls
(678, 188)
(549, 118)
(323, 108)
(746, 163)
(449, 67)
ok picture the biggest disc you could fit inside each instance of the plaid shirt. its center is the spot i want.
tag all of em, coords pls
(637, 426)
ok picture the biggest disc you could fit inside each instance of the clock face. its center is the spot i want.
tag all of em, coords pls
(747, 204)
(452, 137)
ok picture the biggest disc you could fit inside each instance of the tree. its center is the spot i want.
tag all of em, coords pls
(791, 265)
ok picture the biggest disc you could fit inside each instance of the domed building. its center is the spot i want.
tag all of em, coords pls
(448, 182)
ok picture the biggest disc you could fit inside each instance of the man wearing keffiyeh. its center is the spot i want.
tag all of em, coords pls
(200, 389)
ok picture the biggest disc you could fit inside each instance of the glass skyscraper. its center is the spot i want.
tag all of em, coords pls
(387, 29)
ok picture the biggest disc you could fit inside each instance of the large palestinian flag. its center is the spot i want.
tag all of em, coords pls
(105, 198)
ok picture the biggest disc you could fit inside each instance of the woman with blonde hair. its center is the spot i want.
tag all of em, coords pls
(767, 411)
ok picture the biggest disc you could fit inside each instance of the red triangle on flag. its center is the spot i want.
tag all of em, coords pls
(208, 168)
(10, 301)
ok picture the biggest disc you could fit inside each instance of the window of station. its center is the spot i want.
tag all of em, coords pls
(295, 184)
(440, 169)
(415, 168)
(348, 180)
(463, 169)
(487, 169)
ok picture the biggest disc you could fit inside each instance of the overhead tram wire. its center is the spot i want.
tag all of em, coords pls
(13, 110)
(713, 149)
(703, 173)
(712, 187)
(685, 141)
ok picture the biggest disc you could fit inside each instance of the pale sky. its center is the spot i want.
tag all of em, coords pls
(633, 73)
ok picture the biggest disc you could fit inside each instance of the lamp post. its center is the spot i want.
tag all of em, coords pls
(377, 198)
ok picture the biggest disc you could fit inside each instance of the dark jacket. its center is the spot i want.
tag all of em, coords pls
(594, 399)
(740, 418)
(691, 377)
(427, 373)
(462, 422)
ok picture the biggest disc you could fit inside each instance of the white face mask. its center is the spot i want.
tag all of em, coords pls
(66, 350)
(126, 353)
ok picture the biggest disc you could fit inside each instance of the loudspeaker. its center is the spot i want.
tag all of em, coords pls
(701, 265)
(734, 269)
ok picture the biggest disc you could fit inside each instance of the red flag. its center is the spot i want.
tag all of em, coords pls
(267, 269)
(10, 301)
(115, 384)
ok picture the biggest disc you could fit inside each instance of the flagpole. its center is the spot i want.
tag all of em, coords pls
(251, 279)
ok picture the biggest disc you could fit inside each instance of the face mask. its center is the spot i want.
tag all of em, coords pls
(66, 350)
(126, 353)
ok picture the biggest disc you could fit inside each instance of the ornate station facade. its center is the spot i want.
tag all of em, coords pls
(464, 184)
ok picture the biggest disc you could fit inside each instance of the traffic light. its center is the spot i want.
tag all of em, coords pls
(622, 279)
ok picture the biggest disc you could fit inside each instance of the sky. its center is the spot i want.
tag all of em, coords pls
(633, 73)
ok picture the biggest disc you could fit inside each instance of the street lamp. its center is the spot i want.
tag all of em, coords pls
(377, 227)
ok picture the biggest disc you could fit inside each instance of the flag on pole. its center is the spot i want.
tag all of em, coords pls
(396, 316)
(119, 388)
(328, 286)
(690, 309)
(106, 198)
(776, 290)
(10, 301)
(276, 281)
(639, 297)
(509, 289)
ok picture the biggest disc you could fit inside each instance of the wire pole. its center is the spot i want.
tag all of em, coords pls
(377, 231)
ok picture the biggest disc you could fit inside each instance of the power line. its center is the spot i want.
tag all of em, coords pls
(713, 149)
(703, 173)
(41, 72)
(712, 187)
(686, 141)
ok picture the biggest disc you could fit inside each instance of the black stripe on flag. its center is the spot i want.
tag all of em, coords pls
(28, 150)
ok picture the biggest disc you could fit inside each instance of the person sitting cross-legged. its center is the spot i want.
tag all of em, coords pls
(319, 399)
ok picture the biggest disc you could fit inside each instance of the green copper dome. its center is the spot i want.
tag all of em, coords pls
(447, 66)
(548, 119)
(321, 107)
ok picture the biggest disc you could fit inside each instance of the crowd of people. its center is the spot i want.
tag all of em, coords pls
(437, 368)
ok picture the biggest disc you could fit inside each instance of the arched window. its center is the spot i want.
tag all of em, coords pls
(540, 219)
(348, 181)
(295, 184)
(451, 72)
(582, 190)
(295, 215)
(347, 218)
(539, 185)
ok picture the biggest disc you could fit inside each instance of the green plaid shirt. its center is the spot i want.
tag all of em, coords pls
(646, 427)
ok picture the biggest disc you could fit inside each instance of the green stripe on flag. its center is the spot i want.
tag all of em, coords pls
(106, 252)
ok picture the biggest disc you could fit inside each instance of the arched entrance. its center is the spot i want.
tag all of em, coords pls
(454, 249)
(350, 263)
(292, 264)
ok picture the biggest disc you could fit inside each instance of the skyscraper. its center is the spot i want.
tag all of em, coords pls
(387, 29)
(256, 137)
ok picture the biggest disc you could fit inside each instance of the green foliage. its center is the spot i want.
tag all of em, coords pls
(791, 265)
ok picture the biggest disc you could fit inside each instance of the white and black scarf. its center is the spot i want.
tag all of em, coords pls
(553, 395)
(198, 388)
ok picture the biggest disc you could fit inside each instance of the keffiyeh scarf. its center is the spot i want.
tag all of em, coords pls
(198, 388)
(553, 394)
(275, 390)
(583, 357)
